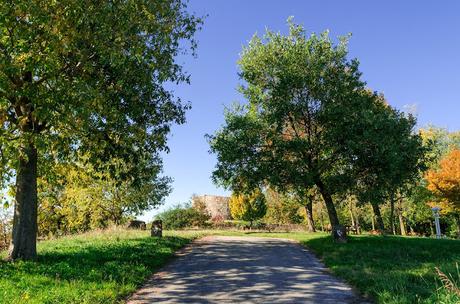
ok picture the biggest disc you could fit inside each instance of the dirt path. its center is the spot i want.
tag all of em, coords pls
(245, 270)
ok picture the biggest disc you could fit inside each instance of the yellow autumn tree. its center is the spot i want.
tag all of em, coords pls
(444, 183)
(248, 207)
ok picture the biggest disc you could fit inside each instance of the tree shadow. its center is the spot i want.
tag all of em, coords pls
(239, 270)
(125, 262)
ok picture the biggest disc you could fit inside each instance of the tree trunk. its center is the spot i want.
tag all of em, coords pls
(402, 225)
(378, 217)
(339, 232)
(358, 226)
(352, 216)
(373, 222)
(24, 240)
(309, 212)
(392, 213)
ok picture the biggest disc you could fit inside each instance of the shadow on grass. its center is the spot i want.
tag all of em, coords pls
(120, 263)
(387, 268)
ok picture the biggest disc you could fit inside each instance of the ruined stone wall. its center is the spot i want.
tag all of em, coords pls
(216, 206)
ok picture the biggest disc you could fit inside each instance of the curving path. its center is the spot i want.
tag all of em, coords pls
(222, 269)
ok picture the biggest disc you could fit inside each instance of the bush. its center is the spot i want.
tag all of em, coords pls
(183, 216)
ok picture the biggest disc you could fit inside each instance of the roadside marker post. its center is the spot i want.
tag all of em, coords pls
(436, 221)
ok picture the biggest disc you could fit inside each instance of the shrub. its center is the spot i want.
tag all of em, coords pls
(183, 216)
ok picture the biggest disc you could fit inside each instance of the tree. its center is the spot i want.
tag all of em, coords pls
(183, 216)
(248, 207)
(391, 161)
(85, 79)
(282, 208)
(307, 198)
(78, 198)
(306, 122)
(438, 142)
(445, 184)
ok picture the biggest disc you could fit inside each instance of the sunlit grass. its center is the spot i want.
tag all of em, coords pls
(97, 267)
(107, 266)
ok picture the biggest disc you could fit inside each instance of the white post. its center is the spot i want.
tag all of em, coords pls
(436, 221)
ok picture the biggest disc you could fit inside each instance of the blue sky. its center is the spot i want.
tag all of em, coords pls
(408, 50)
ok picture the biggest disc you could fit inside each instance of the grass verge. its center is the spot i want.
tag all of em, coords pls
(388, 269)
(98, 267)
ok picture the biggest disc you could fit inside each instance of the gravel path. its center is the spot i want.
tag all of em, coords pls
(244, 270)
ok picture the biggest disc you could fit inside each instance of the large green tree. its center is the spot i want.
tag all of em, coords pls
(86, 78)
(305, 122)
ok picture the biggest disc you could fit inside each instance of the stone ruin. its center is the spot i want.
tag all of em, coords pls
(216, 206)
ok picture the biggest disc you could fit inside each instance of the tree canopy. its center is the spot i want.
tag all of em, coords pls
(248, 207)
(86, 80)
(309, 121)
(445, 181)
(77, 198)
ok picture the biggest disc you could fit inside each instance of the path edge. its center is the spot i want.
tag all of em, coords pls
(156, 275)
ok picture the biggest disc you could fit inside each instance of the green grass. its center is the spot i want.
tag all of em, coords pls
(387, 269)
(106, 267)
(100, 267)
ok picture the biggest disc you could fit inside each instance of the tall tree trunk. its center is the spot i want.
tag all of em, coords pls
(352, 216)
(402, 225)
(309, 212)
(378, 217)
(24, 240)
(339, 232)
(392, 213)
(358, 226)
(373, 222)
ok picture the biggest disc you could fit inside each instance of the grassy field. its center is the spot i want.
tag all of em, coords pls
(99, 267)
(105, 267)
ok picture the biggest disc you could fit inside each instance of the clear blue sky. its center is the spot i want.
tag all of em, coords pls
(409, 50)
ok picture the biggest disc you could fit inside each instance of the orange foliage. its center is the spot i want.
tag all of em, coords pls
(444, 182)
